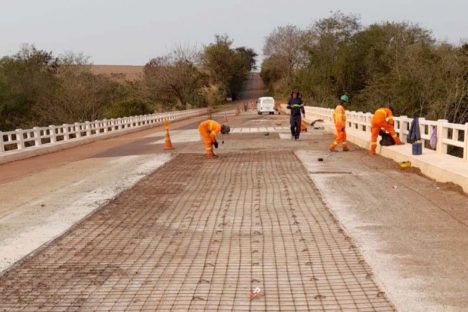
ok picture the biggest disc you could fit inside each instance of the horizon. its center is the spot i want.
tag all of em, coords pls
(124, 33)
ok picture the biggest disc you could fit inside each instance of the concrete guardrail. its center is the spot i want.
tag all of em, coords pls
(434, 163)
(24, 143)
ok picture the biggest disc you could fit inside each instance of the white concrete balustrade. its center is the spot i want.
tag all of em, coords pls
(436, 164)
(448, 134)
(22, 143)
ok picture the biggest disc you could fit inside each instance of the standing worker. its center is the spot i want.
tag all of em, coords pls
(339, 117)
(296, 106)
(383, 119)
(209, 129)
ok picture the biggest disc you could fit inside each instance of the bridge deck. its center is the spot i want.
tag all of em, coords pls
(202, 234)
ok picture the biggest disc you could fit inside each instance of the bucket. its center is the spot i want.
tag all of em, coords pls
(416, 148)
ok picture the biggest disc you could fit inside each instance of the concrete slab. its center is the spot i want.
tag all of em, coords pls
(182, 136)
(37, 209)
(411, 230)
(201, 235)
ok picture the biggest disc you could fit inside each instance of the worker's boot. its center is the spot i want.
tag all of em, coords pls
(210, 154)
(345, 148)
(332, 147)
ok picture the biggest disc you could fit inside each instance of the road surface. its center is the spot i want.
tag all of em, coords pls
(175, 231)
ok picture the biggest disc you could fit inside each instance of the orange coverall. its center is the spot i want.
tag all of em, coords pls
(339, 117)
(209, 129)
(303, 126)
(383, 119)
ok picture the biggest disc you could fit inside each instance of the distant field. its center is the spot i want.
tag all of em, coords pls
(130, 72)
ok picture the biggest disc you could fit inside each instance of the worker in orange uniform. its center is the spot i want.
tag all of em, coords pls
(339, 117)
(209, 129)
(383, 119)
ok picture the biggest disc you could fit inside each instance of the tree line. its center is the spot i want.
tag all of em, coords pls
(38, 88)
(388, 63)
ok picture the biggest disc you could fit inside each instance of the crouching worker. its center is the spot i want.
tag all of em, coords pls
(382, 120)
(209, 129)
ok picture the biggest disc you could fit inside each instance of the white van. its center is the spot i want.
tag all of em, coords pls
(266, 105)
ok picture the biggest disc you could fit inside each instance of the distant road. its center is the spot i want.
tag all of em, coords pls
(253, 87)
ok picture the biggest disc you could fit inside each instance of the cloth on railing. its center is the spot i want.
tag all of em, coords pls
(414, 134)
(433, 140)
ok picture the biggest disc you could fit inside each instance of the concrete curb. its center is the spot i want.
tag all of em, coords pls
(441, 168)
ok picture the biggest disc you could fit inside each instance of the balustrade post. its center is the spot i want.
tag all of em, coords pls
(37, 136)
(66, 134)
(53, 137)
(442, 133)
(88, 128)
(2, 144)
(465, 140)
(19, 139)
(403, 126)
(77, 130)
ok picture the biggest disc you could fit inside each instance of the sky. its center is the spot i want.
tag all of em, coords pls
(131, 32)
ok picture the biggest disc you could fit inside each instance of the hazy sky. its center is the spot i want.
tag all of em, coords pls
(132, 32)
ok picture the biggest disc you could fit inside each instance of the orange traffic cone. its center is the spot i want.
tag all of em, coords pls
(167, 142)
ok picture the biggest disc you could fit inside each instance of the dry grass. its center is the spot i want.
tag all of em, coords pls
(125, 72)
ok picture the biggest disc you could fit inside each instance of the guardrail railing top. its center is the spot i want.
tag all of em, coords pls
(450, 136)
(22, 139)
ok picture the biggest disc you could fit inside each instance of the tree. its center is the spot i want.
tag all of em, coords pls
(386, 63)
(287, 44)
(228, 67)
(175, 78)
(272, 71)
(25, 78)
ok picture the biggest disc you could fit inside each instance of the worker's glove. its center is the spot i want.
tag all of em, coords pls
(215, 144)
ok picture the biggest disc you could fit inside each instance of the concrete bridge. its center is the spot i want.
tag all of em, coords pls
(104, 219)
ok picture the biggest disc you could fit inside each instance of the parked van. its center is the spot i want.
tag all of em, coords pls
(266, 105)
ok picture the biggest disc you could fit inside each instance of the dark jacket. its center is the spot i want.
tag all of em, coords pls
(414, 133)
(296, 106)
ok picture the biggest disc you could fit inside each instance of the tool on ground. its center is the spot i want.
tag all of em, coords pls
(405, 164)
(256, 293)
(314, 122)
(167, 141)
